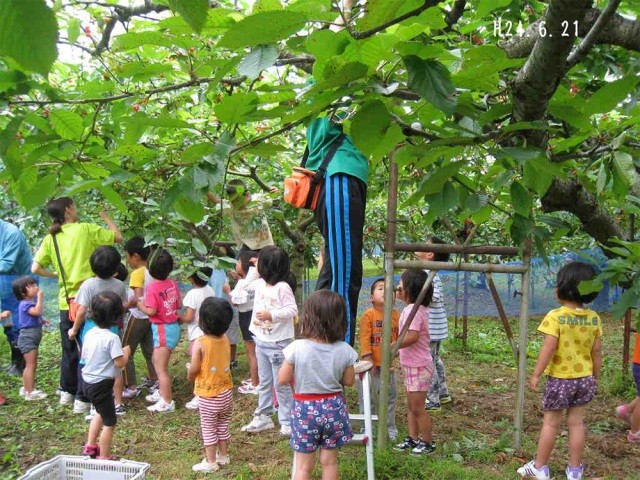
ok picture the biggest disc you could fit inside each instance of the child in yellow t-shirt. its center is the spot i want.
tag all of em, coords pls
(571, 356)
(371, 350)
(210, 369)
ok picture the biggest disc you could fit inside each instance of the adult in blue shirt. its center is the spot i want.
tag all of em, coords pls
(15, 261)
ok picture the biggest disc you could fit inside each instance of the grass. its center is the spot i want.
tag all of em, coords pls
(474, 434)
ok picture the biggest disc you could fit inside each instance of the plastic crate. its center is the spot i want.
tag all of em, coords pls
(70, 467)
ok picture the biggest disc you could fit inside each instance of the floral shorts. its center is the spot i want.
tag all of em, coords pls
(417, 379)
(322, 423)
(564, 393)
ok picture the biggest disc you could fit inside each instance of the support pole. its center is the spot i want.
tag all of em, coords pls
(502, 314)
(522, 347)
(389, 300)
(626, 341)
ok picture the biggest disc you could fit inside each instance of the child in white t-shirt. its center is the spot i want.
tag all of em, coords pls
(192, 301)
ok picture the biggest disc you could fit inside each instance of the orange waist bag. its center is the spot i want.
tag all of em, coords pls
(302, 188)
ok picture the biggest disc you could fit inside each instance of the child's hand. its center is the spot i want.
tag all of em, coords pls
(264, 315)
(72, 334)
(46, 322)
(40, 295)
(4, 315)
(533, 383)
(188, 365)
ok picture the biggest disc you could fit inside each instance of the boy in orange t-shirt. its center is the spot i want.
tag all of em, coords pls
(371, 350)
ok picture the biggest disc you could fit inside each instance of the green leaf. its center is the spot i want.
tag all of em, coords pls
(487, 6)
(232, 108)
(199, 246)
(520, 199)
(601, 181)
(625, 168)
(258, 59)
(192, 211)
(129, 41)
(369, 124)
(261, 28)
(431, 80)
(538, 174)
(194, 12)
(67, 124)
(266, 6)
(113, 197)
(195, 153)
(629, 299)
(381, 11)
(520, 228)
(607, 97)
(28, 34)
(437, 179)
(336, 74)
(73, 29)
(163, 120)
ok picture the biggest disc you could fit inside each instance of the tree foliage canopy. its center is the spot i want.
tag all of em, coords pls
(521, 115)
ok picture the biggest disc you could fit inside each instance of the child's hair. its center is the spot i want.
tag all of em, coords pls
(104, 261)
(244, 258)
(324, 316)
(375, 282)
(121, 272)
(106, 309)
(137, 245)
(201, 276)
(292, 281)
(568, 280)
(56, 208)
(160, 264)
(439, 256)
(412, 282)
(215, 316)
(20, 284)
(273, 264)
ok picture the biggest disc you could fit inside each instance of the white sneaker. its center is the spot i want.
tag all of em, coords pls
(130, 392)
(162, 407)
(34, 395)
(92, 413)
(81, 407)
(205, 466)
(120, 410)
(248, 389)
(223, 459)
(22, 391)
(154, 397)
(66, 398)
(258, 424)
(530, 471)
(193, 403)
(285, 430)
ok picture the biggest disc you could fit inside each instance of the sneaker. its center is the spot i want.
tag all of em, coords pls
(248, 389)
(91, 450)
(58, 391)
(530, 471)
(154, 387)
(432, 407)
(22, 391)
(223, 460)
(81, 407)
(66, 398)
(147, 383)
(205, 466)
(130, 392)
(258, 424)
(407, 444)
(392, 432)
(633, 437)
(120, 410)
(247, 381)
(574, 473)
(162, 407)
(623, 414)
(92, 413)
(445, 399)
(285, 430)
(34, 395)
(193, 403)
(423, 448)
(154, 397)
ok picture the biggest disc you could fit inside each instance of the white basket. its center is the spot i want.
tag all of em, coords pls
(69, 467)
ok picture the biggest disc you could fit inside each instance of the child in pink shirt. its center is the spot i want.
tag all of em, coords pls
(416, 362)
(161, 303)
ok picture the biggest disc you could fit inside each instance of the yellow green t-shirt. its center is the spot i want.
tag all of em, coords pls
(576, 331)
(76, 243)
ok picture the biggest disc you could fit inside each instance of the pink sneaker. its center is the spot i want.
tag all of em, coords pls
(633, 437)
(623, 414)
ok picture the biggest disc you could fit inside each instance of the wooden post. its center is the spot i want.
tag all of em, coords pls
(522, 347)
(502, 314)
(626, 341)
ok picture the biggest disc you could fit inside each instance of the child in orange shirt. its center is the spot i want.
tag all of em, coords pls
(371, 350)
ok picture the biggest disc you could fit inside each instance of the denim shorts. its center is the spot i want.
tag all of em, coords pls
(165, 335)
(321, 423)
(564, 393)
(29, 339)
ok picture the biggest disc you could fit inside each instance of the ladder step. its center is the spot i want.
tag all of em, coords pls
(359, 439)
(360, 416)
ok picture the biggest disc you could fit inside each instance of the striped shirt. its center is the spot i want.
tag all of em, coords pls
(438, 325)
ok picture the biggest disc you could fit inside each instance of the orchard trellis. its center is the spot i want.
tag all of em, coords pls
(391, 263)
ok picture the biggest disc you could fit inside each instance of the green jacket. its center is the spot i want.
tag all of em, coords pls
(348, 159)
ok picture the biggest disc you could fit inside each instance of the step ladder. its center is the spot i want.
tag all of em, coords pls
(362, 439)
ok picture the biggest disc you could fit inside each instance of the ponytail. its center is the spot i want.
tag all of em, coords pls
(55, 209)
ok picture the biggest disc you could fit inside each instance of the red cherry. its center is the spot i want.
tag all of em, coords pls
(135, 107)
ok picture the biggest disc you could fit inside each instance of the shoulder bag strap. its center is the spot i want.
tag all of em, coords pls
(64, 280)
(319, 176)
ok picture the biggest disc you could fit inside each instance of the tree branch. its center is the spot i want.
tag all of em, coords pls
(413, 13)
(588, 41)
(456, 12)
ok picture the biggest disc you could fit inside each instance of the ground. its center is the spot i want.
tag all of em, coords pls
(474, 433)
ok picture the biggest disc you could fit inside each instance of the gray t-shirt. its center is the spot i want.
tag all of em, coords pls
(94, 285)
(100, 347)
(319, 366)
